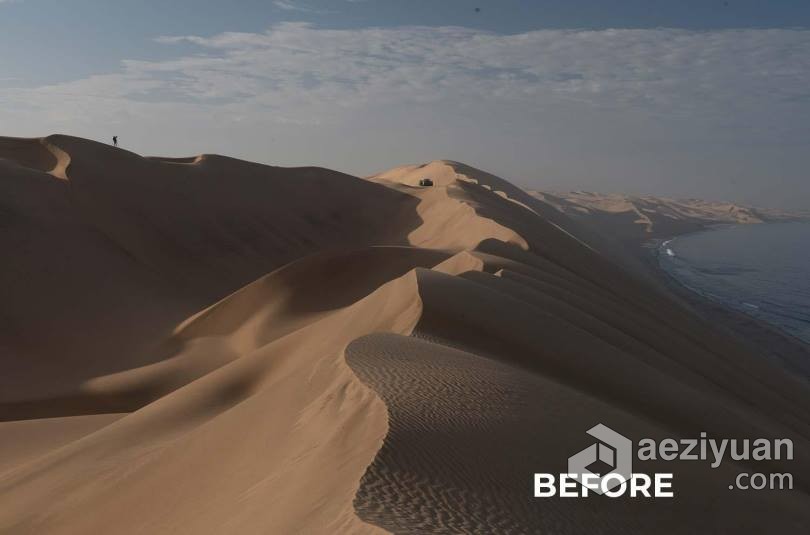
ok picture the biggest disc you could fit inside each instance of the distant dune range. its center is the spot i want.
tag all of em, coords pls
(631, 218)
(207, 345)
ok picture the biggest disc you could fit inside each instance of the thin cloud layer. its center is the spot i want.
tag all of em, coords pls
(662, 71)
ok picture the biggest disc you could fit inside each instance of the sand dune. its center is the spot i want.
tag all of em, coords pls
(110, 259)
(632, 218)
(205, 345)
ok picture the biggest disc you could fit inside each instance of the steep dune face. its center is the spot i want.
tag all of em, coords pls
(112, 250)
(273, 438)
(214, 217)
(406, 365)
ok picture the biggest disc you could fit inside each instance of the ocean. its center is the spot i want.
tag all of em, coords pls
(762, 270)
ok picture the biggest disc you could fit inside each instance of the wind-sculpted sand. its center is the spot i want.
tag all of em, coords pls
(205, 345)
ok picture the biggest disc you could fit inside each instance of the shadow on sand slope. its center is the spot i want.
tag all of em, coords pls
(502, 379)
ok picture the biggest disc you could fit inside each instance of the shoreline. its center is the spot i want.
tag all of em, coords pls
(763, 337)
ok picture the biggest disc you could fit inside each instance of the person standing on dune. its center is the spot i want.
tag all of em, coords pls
(115, 141)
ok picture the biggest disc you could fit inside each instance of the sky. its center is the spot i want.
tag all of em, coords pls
(683, 98)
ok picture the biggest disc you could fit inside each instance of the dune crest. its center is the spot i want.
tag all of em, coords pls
(38, 154)
(290, 403)
(451, 218)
